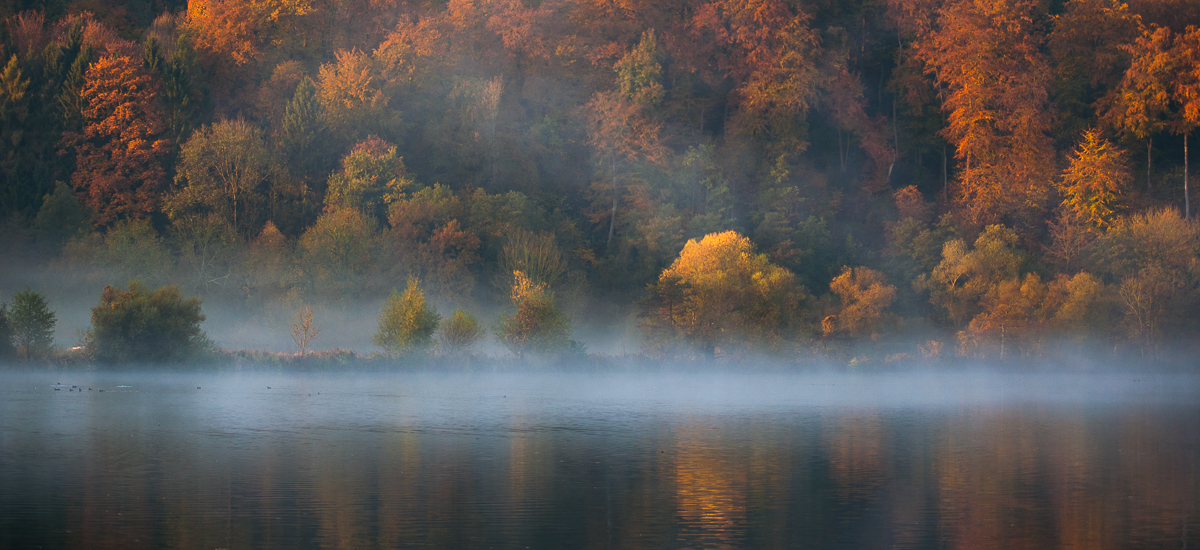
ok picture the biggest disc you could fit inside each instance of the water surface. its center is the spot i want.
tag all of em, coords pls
(706, 460)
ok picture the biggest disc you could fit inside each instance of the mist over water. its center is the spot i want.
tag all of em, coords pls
(553, 460)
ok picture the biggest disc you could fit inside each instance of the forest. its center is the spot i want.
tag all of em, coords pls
(861, 181)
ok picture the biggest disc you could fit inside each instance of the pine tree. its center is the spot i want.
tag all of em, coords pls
(303, 125)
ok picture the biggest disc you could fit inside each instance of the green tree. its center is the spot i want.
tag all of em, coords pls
(32, 324)
(538, 326)
(61, 217)
(224, 166)
(144, 326)
(338, 250)
(639, 72)
(459, 333)
(303, 128)
(372, 178)
(965, 275)
(6, 334)
(406, 322)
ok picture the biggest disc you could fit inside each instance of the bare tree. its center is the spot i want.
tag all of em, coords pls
(303, 329)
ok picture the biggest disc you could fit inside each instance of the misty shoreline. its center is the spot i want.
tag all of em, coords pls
(707, 390)
(1093, 361)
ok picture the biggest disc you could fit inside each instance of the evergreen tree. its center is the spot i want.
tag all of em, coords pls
(6, 333)
(303, 127)
(32, 324)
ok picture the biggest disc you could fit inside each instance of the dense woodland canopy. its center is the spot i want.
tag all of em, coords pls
(991, 177)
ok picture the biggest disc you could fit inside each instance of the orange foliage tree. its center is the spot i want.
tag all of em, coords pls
(1094, 180)
(119, 170)
(986, 57)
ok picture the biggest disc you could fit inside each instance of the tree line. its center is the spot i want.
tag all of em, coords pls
(993, 177)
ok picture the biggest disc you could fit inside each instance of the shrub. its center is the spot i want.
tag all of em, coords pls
(406, 322)
(538, 326)
(147, 326)
(460, 332)
(32, 324)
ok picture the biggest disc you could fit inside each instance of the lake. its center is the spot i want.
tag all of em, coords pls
(552, 460)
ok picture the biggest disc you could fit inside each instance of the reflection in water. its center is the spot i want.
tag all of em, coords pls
(411, 462)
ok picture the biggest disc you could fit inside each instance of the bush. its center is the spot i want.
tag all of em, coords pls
(406, 323)
(147, 326)
(538, 325)
(32, 324)
(460, 332)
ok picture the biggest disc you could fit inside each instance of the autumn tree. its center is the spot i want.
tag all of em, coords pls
(620, 126)
(964, 274)
(1154, 259)
(337, 251)
(770, 52)
(538, 326)
(537, 255)
(1008, 316)
(1094, 180)
(351, 95)
(1140, 105)
(720, 293)
(459, 333)
(303, 329)
(123, 143)
(1186, 92)
(428, 238)
(986, 57)
(372, 178)
(406, 322)
(623, 135)
(222, 168)
(865, 297)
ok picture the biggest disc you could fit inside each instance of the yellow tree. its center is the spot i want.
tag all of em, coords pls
(719, 292)
(986, 57)
(865, 297)
(1094, 179)
(406, 322)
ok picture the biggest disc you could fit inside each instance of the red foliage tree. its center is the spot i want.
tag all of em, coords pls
(119, 172)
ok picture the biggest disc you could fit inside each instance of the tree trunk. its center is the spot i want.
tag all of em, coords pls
(612, 219)
(1187, 205)
(1149, 145)
(945, 187)
(841, 151)
(895, 141)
